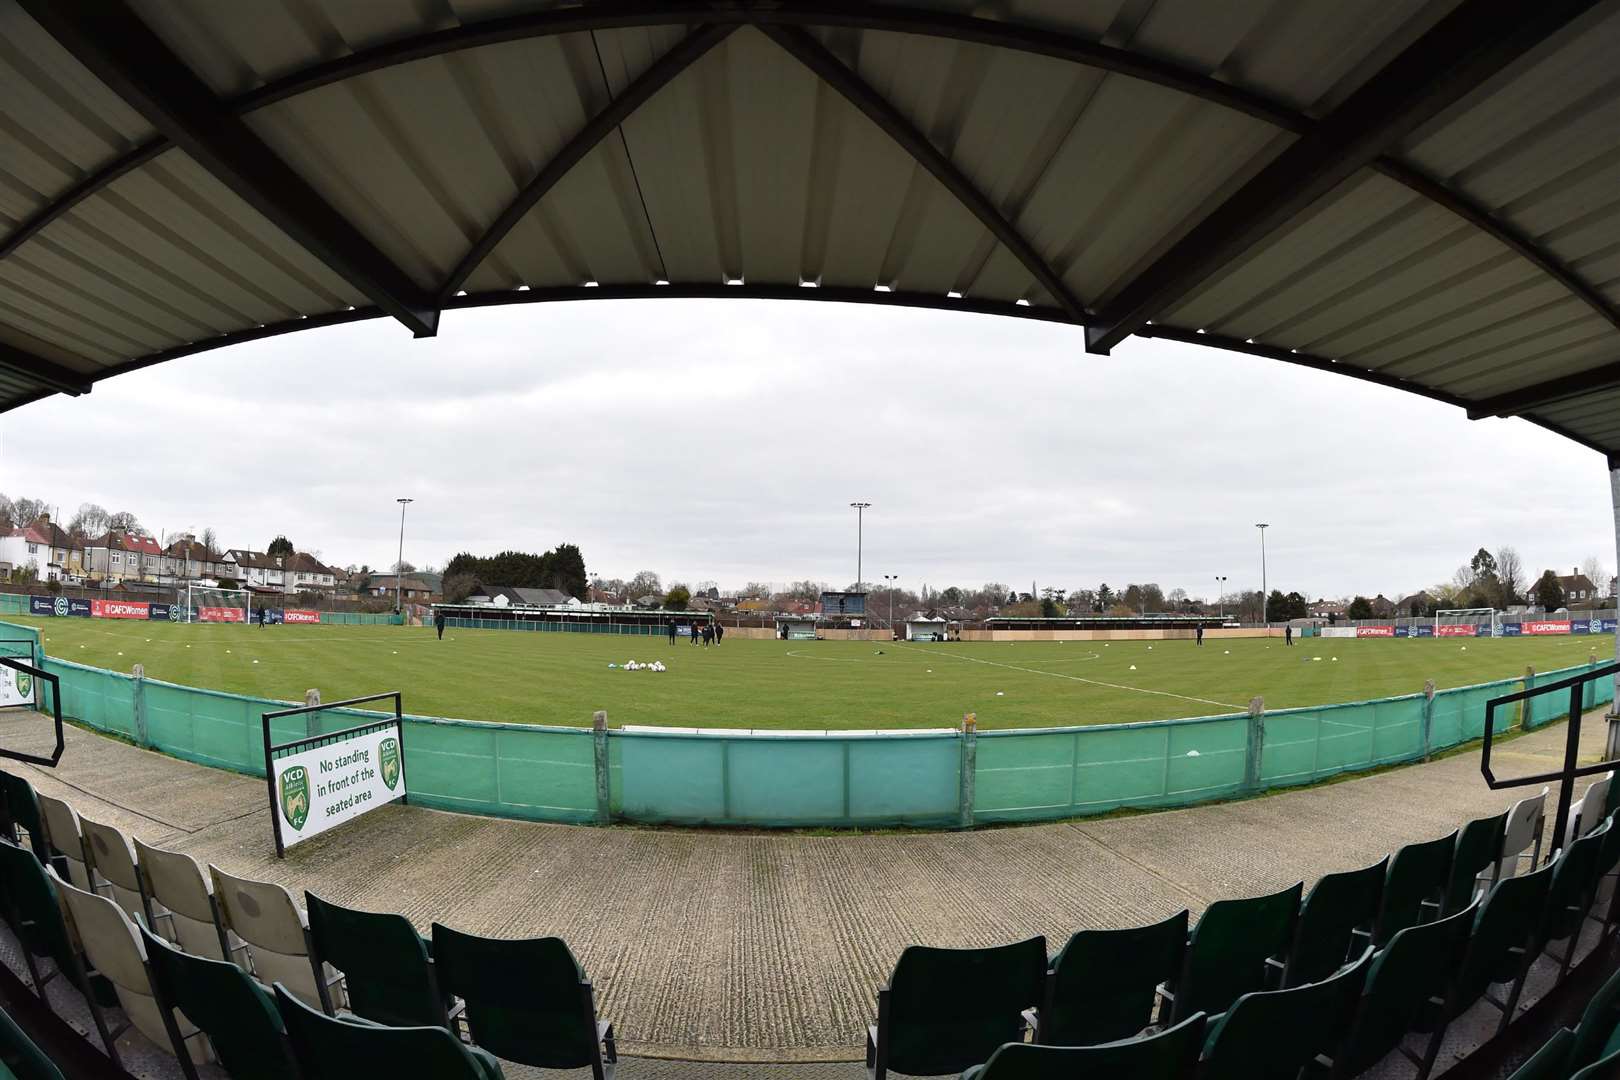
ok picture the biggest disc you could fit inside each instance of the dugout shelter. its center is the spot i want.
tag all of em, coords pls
(568, 620)
(927, 628)
(796, 627)
(1415, 194)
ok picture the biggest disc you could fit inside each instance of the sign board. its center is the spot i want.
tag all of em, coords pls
(17, 688)
(336, 781)
(221, 614)
(1375, 631)
(322, 781)
(1547, 626)
(294, 615)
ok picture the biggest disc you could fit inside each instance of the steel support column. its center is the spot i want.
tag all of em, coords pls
(1613, 749)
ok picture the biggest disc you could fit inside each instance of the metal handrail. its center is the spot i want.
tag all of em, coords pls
(1572, 741)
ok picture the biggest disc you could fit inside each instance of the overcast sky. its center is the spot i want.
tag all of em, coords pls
(724, 440)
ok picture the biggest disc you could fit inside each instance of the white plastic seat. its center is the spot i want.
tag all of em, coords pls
(114, 950)
(276, 932)
(1582, 820)
(182, 902)
(61, 823)
(1525, 823)
(113, 868)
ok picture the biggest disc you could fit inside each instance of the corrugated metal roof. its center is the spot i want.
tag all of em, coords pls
(177, 175)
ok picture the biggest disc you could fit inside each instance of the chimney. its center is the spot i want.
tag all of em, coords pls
(1575, 572)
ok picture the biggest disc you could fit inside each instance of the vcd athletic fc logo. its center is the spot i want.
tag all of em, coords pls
(61, 605)
(388, 758)
(295, 796)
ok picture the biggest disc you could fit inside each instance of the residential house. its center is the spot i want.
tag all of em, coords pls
(116, 555)
(50, 551)
(1418, 603)
(417, 586)
(1578, 589)
(189, 560)
(253, 570)
(1328, 609)
(306, 573)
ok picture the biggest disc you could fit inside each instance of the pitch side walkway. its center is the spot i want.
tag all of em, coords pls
(757, 947)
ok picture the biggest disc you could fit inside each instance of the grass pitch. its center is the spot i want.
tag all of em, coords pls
(562, 678)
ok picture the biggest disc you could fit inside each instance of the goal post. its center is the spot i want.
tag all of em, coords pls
(1462, 622)
(205, 603)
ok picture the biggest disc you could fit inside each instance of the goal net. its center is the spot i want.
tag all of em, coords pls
(206, 604)
(1466, 622)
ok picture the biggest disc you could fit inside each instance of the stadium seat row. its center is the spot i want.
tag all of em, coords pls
(233, 971)
(230, 970)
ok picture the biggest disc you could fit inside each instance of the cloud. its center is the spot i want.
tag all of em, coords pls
(724, 440)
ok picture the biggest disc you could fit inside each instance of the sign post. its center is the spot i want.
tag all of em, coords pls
(321, 781)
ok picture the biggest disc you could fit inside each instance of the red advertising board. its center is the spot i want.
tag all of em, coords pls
(1375, 631)
(1456, 630)
(1546, 627)
(292, 615)
(119, 609)
(220, 614)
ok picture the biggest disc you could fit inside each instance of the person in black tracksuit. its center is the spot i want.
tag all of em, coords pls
(1200, 635)
(719, 632)
(1288, 635)
(671, 625)
(438, 623)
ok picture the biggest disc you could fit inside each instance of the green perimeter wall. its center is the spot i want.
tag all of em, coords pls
(948, 779)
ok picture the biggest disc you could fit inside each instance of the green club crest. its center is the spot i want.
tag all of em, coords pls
(388, 758)
(25, 687)
(295, 796)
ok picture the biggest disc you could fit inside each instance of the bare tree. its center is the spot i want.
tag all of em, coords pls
(26, 511)
(645, 583)
(1598, 576)
(6, 519)
(210, 542)
(1510, 576)
(124, 521)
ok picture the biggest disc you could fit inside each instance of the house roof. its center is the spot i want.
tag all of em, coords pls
(413, 580)
(125, 541)
(1412, 194)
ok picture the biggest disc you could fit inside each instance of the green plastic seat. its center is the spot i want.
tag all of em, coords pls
(223, 1001)
(527, 1000)
(1334, 910)
(1551, 1062)
(333, 1049)
(1231, 951)
(33, 908)
(1272, 1035)
(19, 1054)
(22, 812)
(1598, 1019)
(1405, 980)
(1500, 950)
(1171, 1054)
(1569, 897)
(1103, 983)
(1479, 846)
(1419, 876)
(387, 973)
(1605, 1068)
(945, 1010)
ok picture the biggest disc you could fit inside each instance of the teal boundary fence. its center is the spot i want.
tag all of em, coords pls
(836, 779)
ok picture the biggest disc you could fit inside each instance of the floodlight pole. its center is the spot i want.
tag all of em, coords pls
(1220, 594)
(860, 513)
(399, 572)
(889, 580)
(1263, 526)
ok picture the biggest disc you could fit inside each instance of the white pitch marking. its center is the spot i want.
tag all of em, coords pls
(1076, 678)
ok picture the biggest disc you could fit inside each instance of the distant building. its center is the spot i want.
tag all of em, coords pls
(49, 550)
(117, 556)
(416, 586)
(1328, 609)
(1578, 588)
(517, 596)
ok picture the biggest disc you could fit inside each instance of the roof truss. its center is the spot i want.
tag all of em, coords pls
(120, 50)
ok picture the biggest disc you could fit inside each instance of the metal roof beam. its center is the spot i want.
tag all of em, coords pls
(123, 52)
(1455, 57)
(801, 45)
(43, 371)
(1549, 392)
(685, 53)
(991, 33)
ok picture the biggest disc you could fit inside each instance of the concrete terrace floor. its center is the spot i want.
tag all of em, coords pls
(769, 947)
